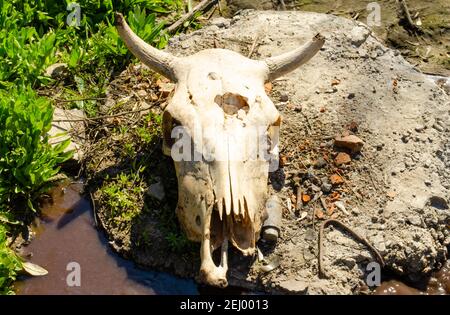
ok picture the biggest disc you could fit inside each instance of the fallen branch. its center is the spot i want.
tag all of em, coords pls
(407, 15)
(202, 6)
(80, 99)
(353, 233)
(255, 41)
(104, 116)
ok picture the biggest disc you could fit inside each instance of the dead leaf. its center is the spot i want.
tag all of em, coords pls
(319, 214)
(33, 269)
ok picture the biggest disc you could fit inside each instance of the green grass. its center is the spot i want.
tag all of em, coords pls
(121, 195)
(34, 35)
(10, 264)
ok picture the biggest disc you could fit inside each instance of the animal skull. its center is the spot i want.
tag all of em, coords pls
(230, 134)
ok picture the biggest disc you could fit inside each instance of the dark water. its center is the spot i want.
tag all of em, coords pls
(66, 234)
(437, 284)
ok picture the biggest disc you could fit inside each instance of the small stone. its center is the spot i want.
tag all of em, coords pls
(405, 138)
(336, 179)
(141, 93)
(351, 142)
(438, 127)
(284, 97)
(221, 22)
(340, 205)
(310, 235)
(308, 255)
(414, 220)
(294, 286)
(351, 96)
(332, 90)
(326, 188)
(427, 164)
(379, 146)
(419, 128)
(342, 158)
(320, 163)
(57, 70)
(156, 191)
(335, 82)
(427, 182)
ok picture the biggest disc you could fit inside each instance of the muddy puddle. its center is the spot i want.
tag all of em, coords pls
(437, 284)
(66, 234)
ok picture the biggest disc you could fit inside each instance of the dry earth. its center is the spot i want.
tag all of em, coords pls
(395, 191)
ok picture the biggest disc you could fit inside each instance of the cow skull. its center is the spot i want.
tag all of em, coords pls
(229, 128)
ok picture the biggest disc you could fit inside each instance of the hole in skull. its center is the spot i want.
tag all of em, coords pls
(232, 103)
(198, 221)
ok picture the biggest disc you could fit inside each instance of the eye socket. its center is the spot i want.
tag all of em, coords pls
(168, 124)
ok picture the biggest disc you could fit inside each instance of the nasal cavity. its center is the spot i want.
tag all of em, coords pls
(231, 103)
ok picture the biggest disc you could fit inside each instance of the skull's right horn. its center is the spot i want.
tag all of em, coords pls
(287, 62)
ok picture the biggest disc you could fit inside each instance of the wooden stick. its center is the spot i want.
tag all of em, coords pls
(198, 8)
(80, 99)
(104, 116)
(408, 18)
(255, 41)
(359, 238)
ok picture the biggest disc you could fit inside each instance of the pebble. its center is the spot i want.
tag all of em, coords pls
(284, 97)
(414, 220)
(438, 127)
(326, 187)
(320, 163)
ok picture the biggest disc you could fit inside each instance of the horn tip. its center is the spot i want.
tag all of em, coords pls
(119, 18)
(319, 37)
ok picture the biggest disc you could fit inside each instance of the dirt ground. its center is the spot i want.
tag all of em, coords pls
(395, 192)
(427, 48)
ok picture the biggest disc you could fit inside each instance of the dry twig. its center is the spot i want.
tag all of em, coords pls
(353, 233)
(202, 6)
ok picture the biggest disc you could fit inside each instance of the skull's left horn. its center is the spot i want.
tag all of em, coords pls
(287, 62)
(155, 59)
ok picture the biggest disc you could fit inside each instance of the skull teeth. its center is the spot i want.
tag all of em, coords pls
(237, 208)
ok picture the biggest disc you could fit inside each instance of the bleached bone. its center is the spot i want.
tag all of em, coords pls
(232, 127)
(153, 58)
